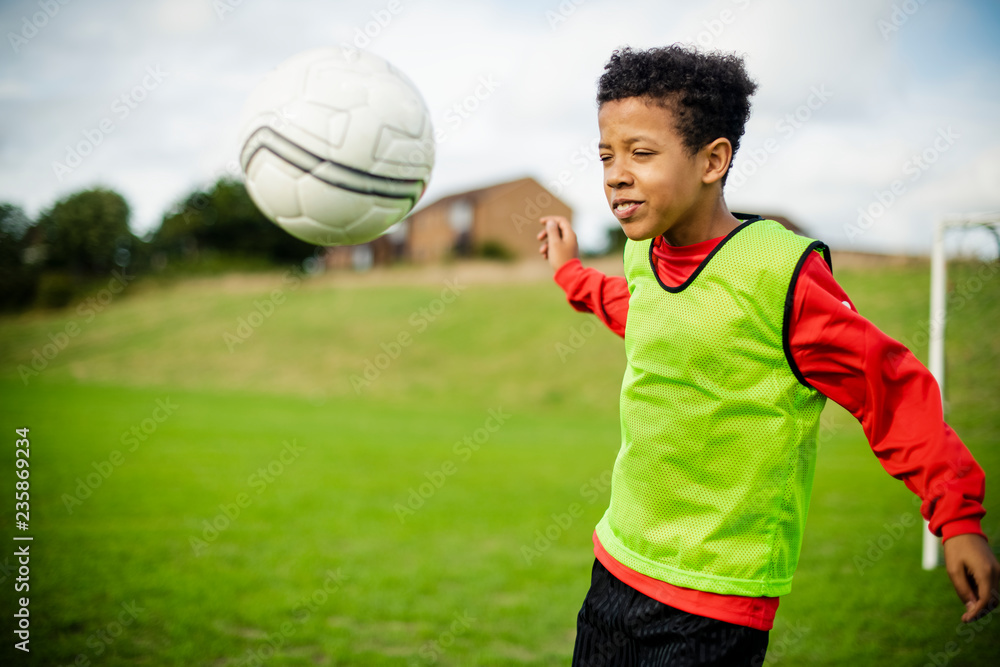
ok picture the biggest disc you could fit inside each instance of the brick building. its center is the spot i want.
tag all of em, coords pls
(501, 219)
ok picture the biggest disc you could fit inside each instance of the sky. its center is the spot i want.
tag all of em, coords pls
(873, 118)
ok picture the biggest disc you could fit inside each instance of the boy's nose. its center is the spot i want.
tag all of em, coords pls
(617, 177)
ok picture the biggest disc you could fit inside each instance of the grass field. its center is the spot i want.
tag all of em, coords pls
(206, 492)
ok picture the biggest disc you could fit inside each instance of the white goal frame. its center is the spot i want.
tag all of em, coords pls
(939, 300)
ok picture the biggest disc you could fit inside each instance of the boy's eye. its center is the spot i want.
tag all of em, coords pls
(605, 158)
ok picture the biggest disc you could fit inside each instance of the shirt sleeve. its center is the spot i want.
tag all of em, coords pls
(894, 396)
(590, 291)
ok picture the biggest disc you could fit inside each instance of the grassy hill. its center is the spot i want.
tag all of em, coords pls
(406, 468)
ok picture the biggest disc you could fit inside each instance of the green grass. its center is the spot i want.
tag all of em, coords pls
(322, 561)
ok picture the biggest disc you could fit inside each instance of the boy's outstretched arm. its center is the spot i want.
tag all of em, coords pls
(898, 402)
(587, 290)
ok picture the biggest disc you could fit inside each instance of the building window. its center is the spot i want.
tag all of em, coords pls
(362, 257)
(460, 216)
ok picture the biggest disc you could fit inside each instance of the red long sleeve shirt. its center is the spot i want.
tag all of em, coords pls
(849, 360)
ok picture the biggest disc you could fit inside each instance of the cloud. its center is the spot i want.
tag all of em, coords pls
(888, 97)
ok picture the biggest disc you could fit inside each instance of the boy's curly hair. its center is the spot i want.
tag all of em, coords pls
(708, 93)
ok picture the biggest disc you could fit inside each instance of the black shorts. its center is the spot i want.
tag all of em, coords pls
(619, 626)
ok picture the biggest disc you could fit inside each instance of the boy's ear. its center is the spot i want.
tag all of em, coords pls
(718, 156)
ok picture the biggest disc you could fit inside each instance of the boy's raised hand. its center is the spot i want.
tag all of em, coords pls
(558, 241)
(974, 572)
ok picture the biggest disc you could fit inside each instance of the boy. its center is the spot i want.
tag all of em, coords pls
(735, 334)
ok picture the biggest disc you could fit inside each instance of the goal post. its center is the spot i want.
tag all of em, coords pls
(938, 318)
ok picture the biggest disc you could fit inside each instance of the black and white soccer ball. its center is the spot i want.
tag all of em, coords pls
(337, 146)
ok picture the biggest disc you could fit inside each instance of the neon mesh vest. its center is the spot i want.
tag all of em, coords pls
(711, 486)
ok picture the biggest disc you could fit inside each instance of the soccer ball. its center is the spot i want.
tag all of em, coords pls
(337, 146)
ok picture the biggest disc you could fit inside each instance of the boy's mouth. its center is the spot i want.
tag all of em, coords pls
(625, 208)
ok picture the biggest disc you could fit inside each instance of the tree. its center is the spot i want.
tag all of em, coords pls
(17, 277)
(13, 221)
(616, 240)
(87, 233)
(224, 219)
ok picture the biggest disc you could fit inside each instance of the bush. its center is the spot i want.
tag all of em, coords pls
(55, 290)
(495, 250)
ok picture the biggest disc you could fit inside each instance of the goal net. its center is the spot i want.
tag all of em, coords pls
(985, 245)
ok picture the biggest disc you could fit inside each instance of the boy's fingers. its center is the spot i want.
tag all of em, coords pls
(965, 593)
(985, 588)
(975, 609)
(563, 225)
(553, 227)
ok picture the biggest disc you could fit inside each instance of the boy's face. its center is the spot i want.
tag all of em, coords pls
(651, 181)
